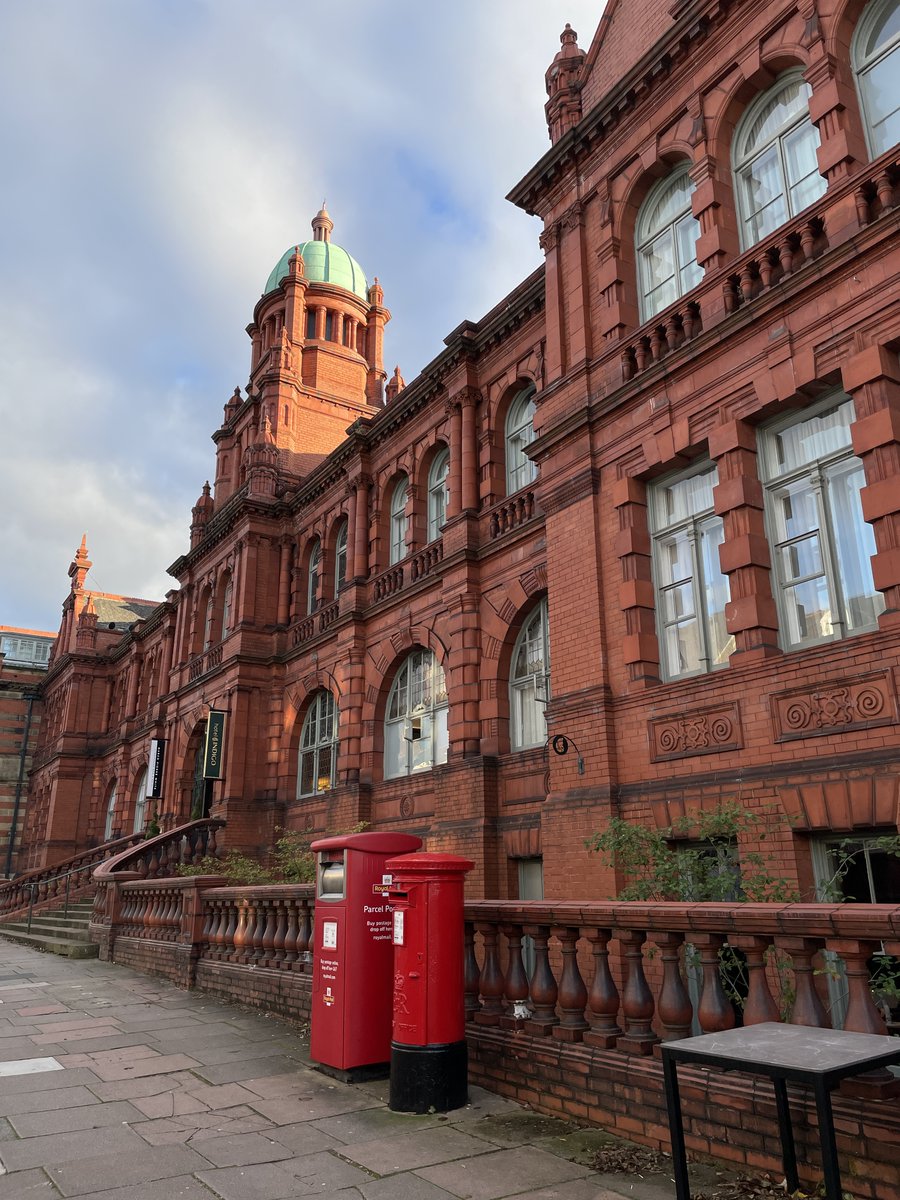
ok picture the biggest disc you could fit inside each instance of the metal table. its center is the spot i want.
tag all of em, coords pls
(795, 1053)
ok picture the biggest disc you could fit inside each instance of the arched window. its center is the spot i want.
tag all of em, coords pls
(667, 233)
(415, 727)
(398, 520)
(208, 623)
(226, 607)
(520, 470)
(529, 681)
(312, 577)
(774, 158)
(340, 558)
(438, 494)
(110, 814)
(876, 60)
(317, 768)
(140, 801)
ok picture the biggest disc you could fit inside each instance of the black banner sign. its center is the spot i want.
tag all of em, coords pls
(155, 768)
(215, 745)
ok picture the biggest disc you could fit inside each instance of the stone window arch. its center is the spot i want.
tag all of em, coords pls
(520, 470)
(109, 823)
(875, 54)
(317, 762)
(416, 717)
(773, 158)
(140, 801)
(666, 243)
(312, 576)
(340, 556)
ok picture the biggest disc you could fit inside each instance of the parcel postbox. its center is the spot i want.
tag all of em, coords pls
(429, 1060)
(350, 1023)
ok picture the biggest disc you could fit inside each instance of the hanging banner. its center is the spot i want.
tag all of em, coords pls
(155, 768)
(215, 745)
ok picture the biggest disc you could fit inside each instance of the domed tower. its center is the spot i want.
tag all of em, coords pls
(317, 362)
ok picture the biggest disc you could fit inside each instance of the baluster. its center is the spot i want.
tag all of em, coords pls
(730, 295)
(808, 1008)
(807, 240)
(515, 985)
(495, 525)
(239, 939)
(472, 973)
(656, 344)
(673, 331)
(766, 270)
(228, 947)
(153, 864)
(760, 1004)
(629, 366)
(210, 925)
(862, 205)
(674, 1007)
(290, 937)
(885, 189)
(714, 1012)
(642, 354)
(491, 978)
(786, 255)
(748, 280)
(304, 937)
(212, 843)
(529, 504)
(257, 926)
(637, 999)
(268, 934)
(141, 866)
(543, 986)
(863, 1014)
(277, 956)
(572, 991)
(690, 321)
(603, 998)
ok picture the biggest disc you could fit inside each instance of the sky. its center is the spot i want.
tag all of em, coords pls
(156, 159)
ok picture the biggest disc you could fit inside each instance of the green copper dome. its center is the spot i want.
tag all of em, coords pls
(324, 262)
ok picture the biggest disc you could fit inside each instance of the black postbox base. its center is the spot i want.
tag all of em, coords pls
(429, 1078)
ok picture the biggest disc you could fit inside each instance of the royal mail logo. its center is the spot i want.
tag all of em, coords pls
(328, 998)
(382, 889)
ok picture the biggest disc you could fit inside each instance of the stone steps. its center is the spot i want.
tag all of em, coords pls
(54, 933)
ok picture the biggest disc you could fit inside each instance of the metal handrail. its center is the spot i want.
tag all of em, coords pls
(36, 883)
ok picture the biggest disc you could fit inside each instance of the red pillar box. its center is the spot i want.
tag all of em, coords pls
(352, 951)
(429, 1061)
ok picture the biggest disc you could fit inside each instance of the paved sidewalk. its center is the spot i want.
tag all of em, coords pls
(117, 1086)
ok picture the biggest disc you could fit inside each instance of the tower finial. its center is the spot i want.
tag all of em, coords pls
(322, 225)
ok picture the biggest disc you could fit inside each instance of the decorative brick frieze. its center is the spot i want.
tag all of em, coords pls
(704, 731)
(849, 704)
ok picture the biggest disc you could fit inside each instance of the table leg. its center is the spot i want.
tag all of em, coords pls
(827, 1141)
(676, 1128)
(785, 1129)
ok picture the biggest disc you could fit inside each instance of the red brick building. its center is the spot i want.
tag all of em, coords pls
(650, 502)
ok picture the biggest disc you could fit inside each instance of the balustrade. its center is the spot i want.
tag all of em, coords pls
(48, 884)
(424, 562)
(878, 194)
(269, 926)
(511, 513)
(328, 615)
(303, 630)
(661, 953)
(388, 583)
(680, 325)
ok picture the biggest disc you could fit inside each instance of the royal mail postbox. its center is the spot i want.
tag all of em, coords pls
(429, 1061)
(350, 1024)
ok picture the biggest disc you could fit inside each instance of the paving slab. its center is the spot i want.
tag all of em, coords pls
(167, 1095)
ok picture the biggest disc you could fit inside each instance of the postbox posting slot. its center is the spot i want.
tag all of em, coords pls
(331, 878)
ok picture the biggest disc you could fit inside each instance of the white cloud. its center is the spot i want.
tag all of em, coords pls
(158, 158)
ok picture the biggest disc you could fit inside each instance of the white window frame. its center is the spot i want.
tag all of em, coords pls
(399, 520)
(519, 433)
(110, 813)
(648, 235)
(863, 65)
(416, 717)
(312, 577)
(530, 688)
(695, 526)
(140, 801)
(744, 157)
(340, 557)
(208, 621)
(776, 481)
(438, 493)
(319, 734)
(227, 601)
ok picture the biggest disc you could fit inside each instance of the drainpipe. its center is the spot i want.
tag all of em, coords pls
(23, 754)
